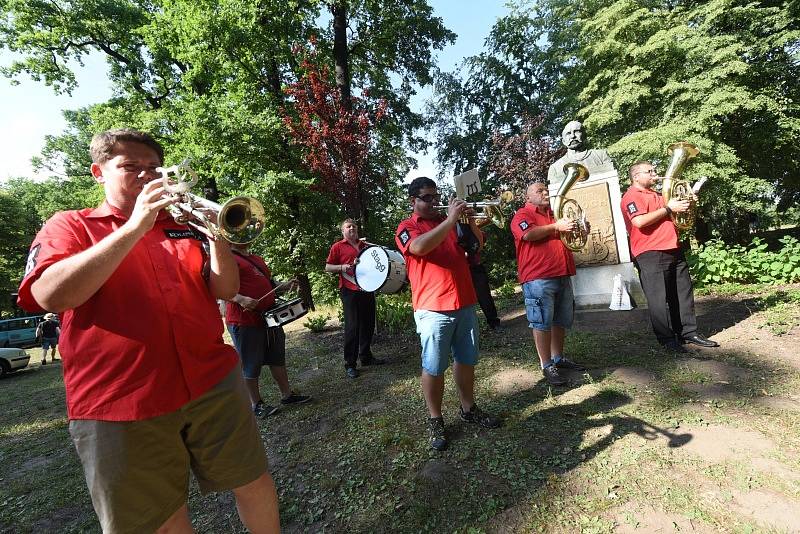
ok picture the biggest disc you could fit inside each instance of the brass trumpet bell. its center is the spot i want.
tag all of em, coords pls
(240, 220)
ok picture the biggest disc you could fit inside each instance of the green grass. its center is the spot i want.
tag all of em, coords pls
(585, 459)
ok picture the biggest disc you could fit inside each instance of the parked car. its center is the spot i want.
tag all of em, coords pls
(13, 359)
(19, 331)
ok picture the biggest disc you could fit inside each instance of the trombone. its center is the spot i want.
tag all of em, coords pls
(240, 220)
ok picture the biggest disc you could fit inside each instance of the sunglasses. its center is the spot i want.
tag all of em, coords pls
(428, 198)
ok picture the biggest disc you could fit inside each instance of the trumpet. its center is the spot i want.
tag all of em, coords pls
(488, 211)
(240, 220)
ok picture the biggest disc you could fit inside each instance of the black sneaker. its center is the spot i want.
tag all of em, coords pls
(352, 372)
(564, 363)
(479, 417)
(294, 398)
(373, 361)
(264, 410)
(436, 435)
(553, 377)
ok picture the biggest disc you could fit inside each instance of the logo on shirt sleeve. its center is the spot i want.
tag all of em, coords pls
(632, 208)
(30, 265)
(404, 236)
(523, 225)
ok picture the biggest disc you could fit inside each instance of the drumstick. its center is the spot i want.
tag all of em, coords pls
(276, 288)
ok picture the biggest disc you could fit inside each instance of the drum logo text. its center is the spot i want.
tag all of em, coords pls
(378, 265)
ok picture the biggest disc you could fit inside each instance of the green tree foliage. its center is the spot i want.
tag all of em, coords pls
(206, 77)
(19, 226)
(640, 75)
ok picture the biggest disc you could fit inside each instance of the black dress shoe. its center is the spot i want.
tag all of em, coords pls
(674, 346)
(697, 339)
(352, 372)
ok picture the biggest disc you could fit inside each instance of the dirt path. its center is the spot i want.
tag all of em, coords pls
(744, 468)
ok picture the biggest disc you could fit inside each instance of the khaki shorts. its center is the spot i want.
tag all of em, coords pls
(138, 471)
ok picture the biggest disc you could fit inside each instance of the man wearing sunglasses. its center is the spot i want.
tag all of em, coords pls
(444, 304)
(662, 266)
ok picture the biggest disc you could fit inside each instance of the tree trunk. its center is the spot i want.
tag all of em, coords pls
(340, 53)
(300, 273)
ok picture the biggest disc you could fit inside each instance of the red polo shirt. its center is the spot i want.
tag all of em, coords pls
(343, 252)
(660, 235)
(440, 280)
(254, 282)
(546, 258)
(150, 339)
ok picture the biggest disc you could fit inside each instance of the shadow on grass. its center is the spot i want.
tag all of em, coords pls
(357, 458)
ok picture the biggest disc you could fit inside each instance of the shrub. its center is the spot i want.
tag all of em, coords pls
(317, 323)
(718, 263)
(394, 312)
(507, 290)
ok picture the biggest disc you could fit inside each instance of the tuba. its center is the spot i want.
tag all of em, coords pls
(240, 220)
(674, 187)
(569, 208)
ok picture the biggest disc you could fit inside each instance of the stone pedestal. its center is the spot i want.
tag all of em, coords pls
(606, 252)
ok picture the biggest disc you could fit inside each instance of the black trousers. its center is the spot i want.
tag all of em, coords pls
(359, 325)
(481, 282)
(670, 299)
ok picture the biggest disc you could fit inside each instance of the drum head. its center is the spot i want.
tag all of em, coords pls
(372, 268)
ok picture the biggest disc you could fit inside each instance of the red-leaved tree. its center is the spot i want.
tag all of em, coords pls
(336, 141)
(518, 159)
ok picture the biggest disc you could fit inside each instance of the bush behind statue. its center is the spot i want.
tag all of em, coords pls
(718, 263)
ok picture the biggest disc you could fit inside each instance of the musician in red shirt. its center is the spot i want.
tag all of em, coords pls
(662, 266)
(444, 304)
(257, 344)
(151, 386)
(544, 268)
(358, 305)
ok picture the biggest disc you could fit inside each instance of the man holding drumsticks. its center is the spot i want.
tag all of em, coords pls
(256, 343)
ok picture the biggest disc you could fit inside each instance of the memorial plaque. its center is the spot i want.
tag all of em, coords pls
(601, 247)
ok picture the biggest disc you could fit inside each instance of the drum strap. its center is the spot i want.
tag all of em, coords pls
(259, 269)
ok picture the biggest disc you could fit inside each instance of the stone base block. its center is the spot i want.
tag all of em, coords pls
(593, 285)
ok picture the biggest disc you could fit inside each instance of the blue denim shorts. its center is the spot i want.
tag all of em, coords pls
(548, 302)
(444, 332)
(49, 342)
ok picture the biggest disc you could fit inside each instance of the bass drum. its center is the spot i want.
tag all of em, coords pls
(380, 269)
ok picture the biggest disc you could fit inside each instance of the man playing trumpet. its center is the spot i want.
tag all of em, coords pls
(444, 304)
(662, 266)
(152, 389)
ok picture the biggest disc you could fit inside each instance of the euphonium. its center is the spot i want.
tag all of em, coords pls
(240, 220)
(569, 208)
(674, 187)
